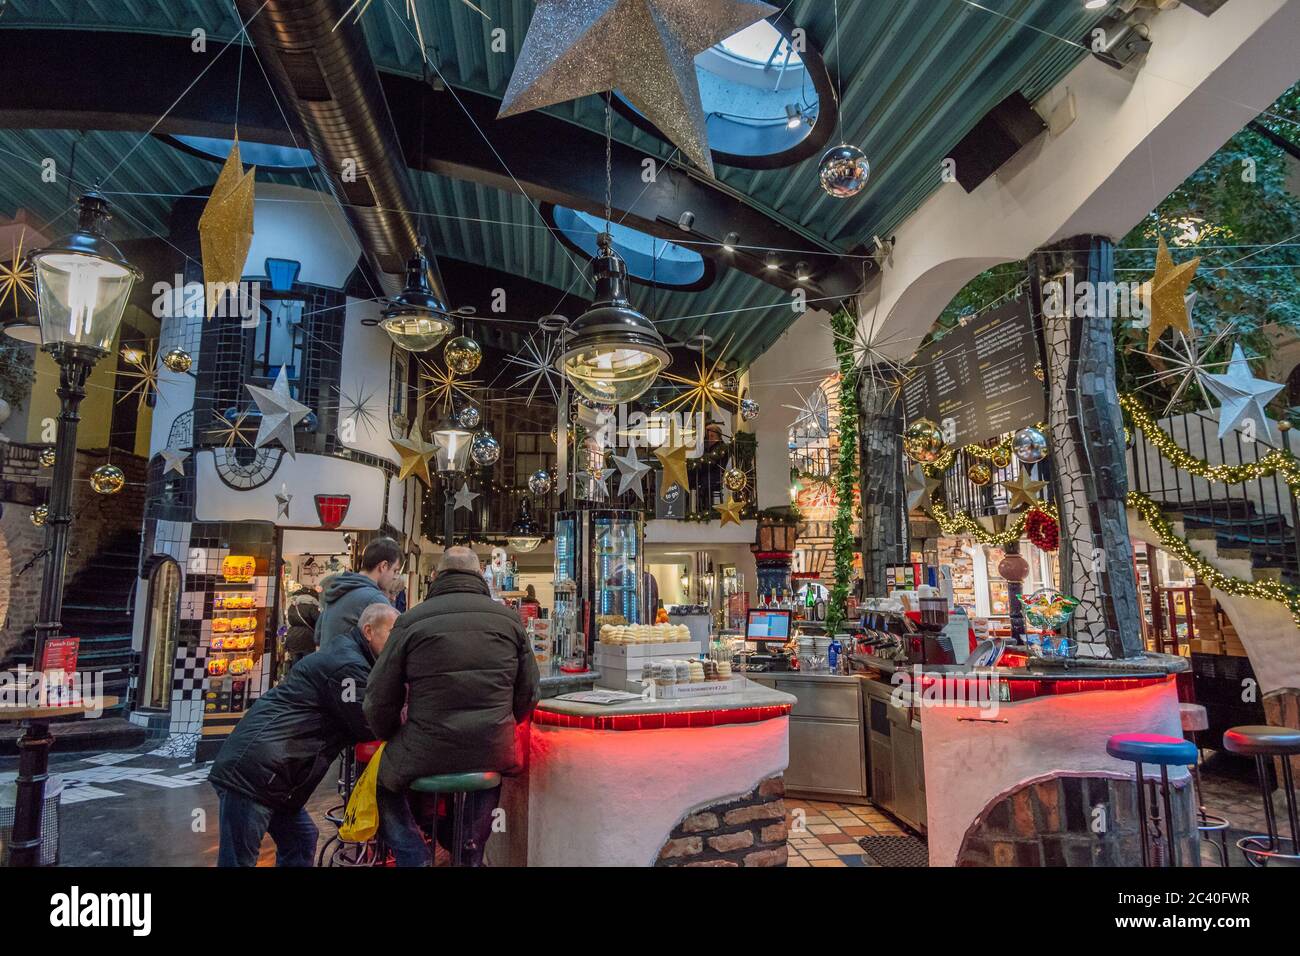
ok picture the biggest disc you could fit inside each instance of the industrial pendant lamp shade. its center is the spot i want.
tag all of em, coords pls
(416, 321)
(525, 535)
(82, 284)
(452, 445)
(613, 352)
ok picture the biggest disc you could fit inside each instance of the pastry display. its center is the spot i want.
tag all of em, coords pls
(620, 634)
(697, 672)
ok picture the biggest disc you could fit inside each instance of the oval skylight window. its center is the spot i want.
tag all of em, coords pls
(262, 155)
(649, 259)
(761, 101)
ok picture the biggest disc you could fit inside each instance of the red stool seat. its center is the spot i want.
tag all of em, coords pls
(365, 752)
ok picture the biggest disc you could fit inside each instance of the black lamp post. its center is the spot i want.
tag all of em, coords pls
(82, 286)
(451, 457)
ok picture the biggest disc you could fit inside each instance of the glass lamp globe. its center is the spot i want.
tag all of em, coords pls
(82, 284)
(524, 534)
(452, 445)
(613, 353)
(416, 320)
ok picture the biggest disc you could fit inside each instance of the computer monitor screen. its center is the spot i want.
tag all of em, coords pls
(767, 627)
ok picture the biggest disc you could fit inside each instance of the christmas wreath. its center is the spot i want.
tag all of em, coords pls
(1042, 530)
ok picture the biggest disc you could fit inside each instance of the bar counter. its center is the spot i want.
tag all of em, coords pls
(615, 785)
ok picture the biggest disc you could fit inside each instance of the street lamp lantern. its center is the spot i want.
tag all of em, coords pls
(452, 444)
(82, 285)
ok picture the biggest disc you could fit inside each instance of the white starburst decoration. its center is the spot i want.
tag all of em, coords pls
(872, 352)
(1184, 363)
(358, 407)
(812, 414)
(538, 366)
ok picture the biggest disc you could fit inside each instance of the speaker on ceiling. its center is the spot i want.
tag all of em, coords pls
(995, 139)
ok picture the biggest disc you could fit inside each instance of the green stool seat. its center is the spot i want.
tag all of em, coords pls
(456, 782)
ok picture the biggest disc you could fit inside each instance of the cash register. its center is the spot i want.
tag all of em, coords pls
(767, 630)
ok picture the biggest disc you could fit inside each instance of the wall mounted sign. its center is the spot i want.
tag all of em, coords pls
(978, 381)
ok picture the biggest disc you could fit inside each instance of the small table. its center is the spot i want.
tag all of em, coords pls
(33, 768)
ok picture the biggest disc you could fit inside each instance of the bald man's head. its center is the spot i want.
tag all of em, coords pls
(458, 558)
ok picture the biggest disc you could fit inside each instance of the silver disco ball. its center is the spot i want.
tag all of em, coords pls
(539, 482)
(469, 416)
(748, 409)
(844, 171)
(1030, 445)
(485, 450)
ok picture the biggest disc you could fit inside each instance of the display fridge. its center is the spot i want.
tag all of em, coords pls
(599, 571)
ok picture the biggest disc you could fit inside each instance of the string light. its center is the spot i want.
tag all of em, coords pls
(1002, 449)
(963, 525)
(1276, 462)
(1205, 572)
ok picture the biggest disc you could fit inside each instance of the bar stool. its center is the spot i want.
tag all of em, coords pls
(1195, 719)
(456, 785)
(1264, 743)
(1165, 752)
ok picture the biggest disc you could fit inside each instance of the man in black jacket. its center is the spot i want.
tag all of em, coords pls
(472, 678)
(279, 753)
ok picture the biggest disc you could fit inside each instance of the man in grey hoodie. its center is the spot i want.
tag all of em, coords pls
(347, 594)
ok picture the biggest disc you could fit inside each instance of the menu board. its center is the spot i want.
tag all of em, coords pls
(977, 382)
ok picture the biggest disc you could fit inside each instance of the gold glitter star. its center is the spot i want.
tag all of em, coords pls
(146, 371)
(1024, 490)
(15, 276)
(730, 511)
(673, 461)
(1168, 291)
(444, 386)
(415, 453)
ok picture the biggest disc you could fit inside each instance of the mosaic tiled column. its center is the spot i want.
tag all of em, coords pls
(884, 535)
(1087, 446)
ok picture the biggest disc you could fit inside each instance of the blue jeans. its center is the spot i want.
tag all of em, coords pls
(398, 828)
(244, 822)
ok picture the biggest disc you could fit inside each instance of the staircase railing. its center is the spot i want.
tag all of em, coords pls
(1260, 514)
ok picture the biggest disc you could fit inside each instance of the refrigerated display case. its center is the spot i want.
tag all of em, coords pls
(598, 555)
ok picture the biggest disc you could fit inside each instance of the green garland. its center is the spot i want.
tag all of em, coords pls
(846, 469)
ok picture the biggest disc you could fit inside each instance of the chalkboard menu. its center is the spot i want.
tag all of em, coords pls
(977, 382)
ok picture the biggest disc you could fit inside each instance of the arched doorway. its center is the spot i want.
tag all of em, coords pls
(158, 655)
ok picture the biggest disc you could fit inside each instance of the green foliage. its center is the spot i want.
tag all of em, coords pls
(846, 469)
(16, 374)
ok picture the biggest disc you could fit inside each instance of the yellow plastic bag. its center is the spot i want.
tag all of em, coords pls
(361, 820)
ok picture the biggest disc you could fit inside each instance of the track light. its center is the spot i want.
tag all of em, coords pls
(793, 116)
(801, 271)
(773, 263)
(729, 241)
(685, 221)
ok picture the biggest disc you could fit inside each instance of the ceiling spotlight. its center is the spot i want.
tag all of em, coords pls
(729, 241)
(685, 221)
(793, 116)
(1094, 4)
(773, 263)
(801, 271)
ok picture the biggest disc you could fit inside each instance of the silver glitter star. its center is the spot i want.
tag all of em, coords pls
(1242, 396)
(465, 498)
(282, 499)
(538, 364)
(644, 48)
(631, 472)
(280, 412)
(174, 460)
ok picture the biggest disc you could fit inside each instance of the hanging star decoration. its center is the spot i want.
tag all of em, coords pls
(812, 414)
(444, 386)
(282, 499)
(280, 412)
(1242, 396)
(598, 483)
(227, 432)
(673, 460)
(226, 228)
(920, 488)
(412, 14)
(538, 364)
(1182, 362)
(645, 49)
(465, 498)
(415, 453)
(632, 470)
(871, 353)
(730, 511)
(16, 277)
(706, 392)
(359, 408)
(174, 460)
(1024, 490)
(1167, 303)
(144, 368)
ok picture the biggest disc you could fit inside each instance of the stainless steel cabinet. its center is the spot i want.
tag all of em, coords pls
(827, 739)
